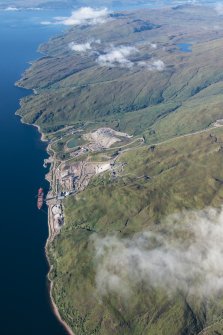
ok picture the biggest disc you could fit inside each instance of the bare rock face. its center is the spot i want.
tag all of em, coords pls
(105, 137)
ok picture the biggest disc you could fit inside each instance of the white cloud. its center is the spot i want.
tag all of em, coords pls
(149, 44)
(158, 65)
(83, 47)
(84, 16)
(154, 65)
(14, 9)
(121, 56)
(35, 8)
(118, 57)
(80, 47)
(46, 22)
(219, 8)
(184, 254)
(11, 9)
(153, 45)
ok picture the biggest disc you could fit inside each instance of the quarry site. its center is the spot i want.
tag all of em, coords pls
(72, 176)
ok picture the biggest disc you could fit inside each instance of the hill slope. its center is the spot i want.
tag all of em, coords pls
(135, 135)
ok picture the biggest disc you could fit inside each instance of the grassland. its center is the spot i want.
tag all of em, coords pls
(74, 89)
(183, 174)
(166, 174)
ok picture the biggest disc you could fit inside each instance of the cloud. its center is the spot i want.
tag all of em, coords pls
(11, 9)
(153, 45)
(157, 65)
(184, 254)
(219, 8)
(15, 9)
(45, 23)
(80, 47)
(118, 57)
(154, 65)
(121, 56)
(84, 47)
(84, 16)
(35, 8)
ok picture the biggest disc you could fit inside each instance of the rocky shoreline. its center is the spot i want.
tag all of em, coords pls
(53, 304)
(51, 234)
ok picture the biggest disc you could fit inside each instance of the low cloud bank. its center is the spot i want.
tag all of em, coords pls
(15, 9)
(153, 45)
(154, 65)
(186, 255)
(84, 16)
(120, 56)
(219, 8)
(11, 9)
(83, 47)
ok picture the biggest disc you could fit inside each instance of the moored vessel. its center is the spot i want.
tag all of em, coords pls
(40, 198)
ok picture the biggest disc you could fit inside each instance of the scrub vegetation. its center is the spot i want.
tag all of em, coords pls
(133, 79)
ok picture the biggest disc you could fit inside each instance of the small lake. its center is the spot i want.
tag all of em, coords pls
(185, 47)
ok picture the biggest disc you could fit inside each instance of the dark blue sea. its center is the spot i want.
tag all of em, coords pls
(25, 307)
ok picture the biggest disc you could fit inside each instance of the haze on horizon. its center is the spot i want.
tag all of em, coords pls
(17, 4)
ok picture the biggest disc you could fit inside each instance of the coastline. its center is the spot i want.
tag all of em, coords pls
(56, 311)
(48, 241)
(52, 302)
(50, 234)
(42, 138)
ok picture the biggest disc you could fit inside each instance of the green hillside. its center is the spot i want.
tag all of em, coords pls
(184, 173)
(170, 102)
(73, 88)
